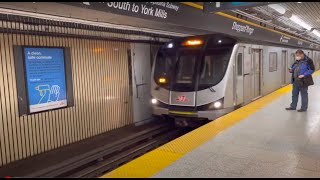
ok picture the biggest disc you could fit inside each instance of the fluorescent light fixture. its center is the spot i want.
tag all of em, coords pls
(316, 33)
(295, 19)
(278, 8)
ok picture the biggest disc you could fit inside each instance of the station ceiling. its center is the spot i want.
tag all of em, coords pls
(278, 16)
(309, 12)
(305, 23)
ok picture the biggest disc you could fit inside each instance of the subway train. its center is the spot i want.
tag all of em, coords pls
(204, 77)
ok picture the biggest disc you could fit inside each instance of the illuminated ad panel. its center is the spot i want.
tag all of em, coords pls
(45, 78)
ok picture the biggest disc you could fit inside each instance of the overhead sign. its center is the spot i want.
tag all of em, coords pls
(189, 19)
(242, 28)
(285, 39)
(210, 7)
(155, 10)
(45, 78)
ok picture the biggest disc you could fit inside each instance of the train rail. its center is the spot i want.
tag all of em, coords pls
(126, 153)
(100, 159)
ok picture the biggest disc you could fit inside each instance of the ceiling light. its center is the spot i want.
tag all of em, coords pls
(299, 2)
(317, 33)
(278, 8)
(297, 20)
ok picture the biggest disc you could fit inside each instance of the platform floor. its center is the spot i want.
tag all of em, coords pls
(260, 140)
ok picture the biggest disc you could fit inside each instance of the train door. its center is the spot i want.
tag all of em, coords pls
(284, 60)
(247, 75)
(315, 60)
(239, 76)
(256, 62)
(292, 59)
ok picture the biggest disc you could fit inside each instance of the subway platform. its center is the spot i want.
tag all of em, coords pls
(261, 139)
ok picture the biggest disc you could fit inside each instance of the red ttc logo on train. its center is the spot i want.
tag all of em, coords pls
(182, 99)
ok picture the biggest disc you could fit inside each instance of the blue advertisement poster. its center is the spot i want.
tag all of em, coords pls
(46, 82)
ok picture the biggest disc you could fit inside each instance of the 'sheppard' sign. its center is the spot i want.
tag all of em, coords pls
(242, 28)
(154, 9)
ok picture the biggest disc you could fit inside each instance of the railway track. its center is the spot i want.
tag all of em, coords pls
(113, 155)
(108, 163)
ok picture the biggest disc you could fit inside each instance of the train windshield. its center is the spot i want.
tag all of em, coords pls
(184, 75)
(214, 65)
(164, 65)
(177, 68)
(193, 69)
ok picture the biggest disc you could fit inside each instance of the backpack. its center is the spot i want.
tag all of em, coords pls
(310, 63)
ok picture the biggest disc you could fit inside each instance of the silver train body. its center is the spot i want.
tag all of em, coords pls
(234, 73)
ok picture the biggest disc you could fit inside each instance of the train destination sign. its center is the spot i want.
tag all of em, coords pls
(45, 78)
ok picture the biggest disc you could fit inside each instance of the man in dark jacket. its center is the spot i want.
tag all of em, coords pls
(300, 69)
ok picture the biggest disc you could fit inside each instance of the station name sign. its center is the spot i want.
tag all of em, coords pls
(285, 39)
(161, 10)
(242, 28)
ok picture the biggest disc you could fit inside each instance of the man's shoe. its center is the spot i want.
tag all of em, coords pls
(302, 110)
(290, 108)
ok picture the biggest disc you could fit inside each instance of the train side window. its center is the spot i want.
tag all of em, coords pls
(273, 61)
(239, 64)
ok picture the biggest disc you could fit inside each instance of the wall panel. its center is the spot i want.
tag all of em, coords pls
(102, 100)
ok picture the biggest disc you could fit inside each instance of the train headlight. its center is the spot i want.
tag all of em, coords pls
(154, 101)
(162, 80)
(217, 104)
(170, 45)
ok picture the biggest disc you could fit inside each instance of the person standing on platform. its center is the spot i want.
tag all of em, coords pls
(301, 78)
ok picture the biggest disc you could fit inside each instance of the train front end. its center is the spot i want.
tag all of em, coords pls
(190, 77)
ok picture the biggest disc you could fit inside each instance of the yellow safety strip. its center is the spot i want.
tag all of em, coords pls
(157, 159)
